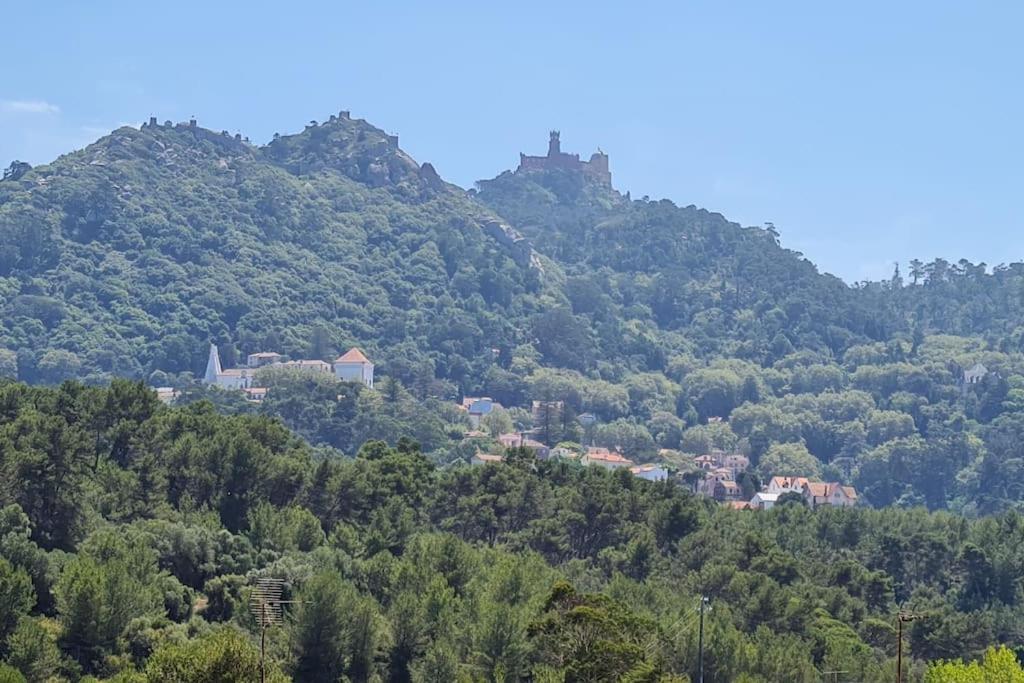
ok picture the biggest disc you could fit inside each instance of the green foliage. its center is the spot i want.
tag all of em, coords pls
(223, 656)
(136, 526)
(999, 665)
(16, 596)
(32, 649)
(112, 581)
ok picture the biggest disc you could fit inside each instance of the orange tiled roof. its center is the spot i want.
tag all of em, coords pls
(353, 355)
(817, 488)
(790, 482)
(608, 457)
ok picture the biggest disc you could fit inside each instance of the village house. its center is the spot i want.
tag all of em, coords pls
(484, 458)
(735, 463)
(255, 394)
(727, 491)
(167, 395)
(705, 462)
(650, 472)
(712, 479)
(764, 500)
(817, 494)
(602, 457)
(520, 440)
(478, 408)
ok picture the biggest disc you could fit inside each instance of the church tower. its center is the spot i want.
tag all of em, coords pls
(212, 366)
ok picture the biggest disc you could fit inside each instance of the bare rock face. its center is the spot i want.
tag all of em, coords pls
(430, 177)
(16, 170)
(377, 174)
(518, 246)
(353, 147)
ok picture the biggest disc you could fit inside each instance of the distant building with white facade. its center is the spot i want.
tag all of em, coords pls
(353, 366)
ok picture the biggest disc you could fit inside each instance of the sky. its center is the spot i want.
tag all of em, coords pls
(869, 133)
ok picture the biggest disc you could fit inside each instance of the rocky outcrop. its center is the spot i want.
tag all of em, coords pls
(519, 247)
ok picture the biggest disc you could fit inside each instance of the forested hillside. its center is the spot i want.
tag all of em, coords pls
(131, 535)
(678, 330)
(128, 257)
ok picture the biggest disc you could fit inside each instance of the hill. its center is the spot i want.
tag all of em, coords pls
(676, 328)
(128, 257)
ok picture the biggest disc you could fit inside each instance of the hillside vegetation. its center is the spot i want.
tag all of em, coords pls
(678, 329)
(131, 535)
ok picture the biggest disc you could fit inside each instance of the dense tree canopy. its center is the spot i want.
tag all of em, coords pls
(404, 571)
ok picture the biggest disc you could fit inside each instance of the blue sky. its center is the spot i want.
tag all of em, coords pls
(869, 133)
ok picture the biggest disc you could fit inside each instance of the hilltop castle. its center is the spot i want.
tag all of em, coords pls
(596, 168)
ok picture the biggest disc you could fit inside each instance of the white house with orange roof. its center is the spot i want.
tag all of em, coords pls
(354, 366)
(602, 457)
(829, 493)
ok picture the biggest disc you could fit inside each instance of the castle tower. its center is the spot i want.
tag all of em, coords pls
(212, 366)
(554, 144)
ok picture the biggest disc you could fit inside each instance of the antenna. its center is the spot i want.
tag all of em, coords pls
(265, 604)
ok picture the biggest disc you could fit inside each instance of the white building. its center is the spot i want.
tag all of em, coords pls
(238, 378)
(764, 500)
(353, 366)
(975, 374)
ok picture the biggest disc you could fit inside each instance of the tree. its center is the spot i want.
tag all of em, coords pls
(33, 651)
(223, 656)
(56, 365)
(998, 664)
(321, 634)
(789, 460)
(497, 422)
(594, 638)
(109, 583)
(16, 597)
(8, 364)
(320, 345)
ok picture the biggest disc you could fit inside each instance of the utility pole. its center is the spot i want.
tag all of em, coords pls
(902, 617)
(700, 641)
